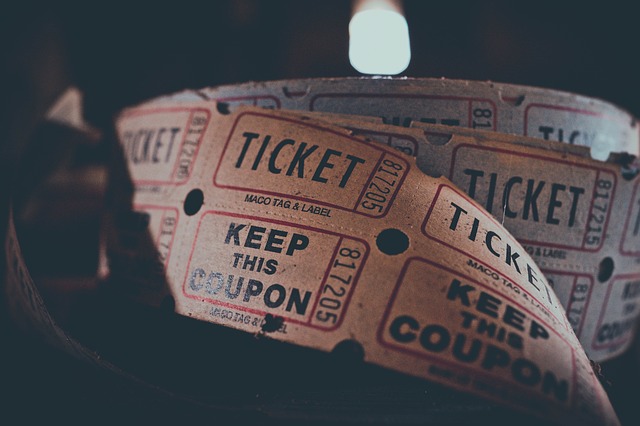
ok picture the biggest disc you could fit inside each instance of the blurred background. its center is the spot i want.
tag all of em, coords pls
(120, 54)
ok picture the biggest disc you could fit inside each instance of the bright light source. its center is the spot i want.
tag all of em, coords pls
(379, 38)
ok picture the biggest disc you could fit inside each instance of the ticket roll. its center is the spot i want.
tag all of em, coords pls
(214, 187)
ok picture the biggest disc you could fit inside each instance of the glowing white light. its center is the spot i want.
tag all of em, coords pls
(379, 40)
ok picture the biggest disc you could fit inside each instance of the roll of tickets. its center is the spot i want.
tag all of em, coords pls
(289, 226)
(540, 113)
(604, 320)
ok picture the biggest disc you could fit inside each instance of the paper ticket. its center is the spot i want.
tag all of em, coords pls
(297, 229)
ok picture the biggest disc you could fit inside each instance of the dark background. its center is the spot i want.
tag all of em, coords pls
(122, 53)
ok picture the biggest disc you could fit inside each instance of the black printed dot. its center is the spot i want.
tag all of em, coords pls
(193, 202)
(392, 241)
(605, 270)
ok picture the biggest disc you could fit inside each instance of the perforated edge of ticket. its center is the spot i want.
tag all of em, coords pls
(506, 108)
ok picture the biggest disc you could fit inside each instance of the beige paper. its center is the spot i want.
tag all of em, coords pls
(574, 215)
(297, 229)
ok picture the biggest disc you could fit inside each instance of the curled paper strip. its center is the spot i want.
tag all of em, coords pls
(273, 223)
(574, 215)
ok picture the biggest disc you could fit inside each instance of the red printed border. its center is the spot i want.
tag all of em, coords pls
(598, 171)
(307, 322)
(382, 151)
(603, 116)
(561, 319)
(626, 223)
(556, 108)
(191, 111)
(573, 286)
(451, 364)
(627, 336)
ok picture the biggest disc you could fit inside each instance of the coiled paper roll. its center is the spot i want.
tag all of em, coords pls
(285, 225)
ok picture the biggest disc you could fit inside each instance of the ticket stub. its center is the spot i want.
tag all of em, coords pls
(160, 156)
(569, 211)
(519, 110)
(299, 230)
(326, 175)
(313, 282)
